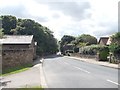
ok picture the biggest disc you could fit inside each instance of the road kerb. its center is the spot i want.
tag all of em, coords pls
(95, 62)
(42, 77)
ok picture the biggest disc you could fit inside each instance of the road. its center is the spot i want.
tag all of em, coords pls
(63, 72)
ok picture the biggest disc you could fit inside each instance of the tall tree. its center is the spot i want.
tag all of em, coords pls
(66, 39)
(8, 22)
(86, 38)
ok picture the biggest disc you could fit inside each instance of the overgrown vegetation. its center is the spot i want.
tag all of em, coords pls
(115, 48)
(100, 50)
(115, 45)
(77, 42)
(44, 37)
(31, 88)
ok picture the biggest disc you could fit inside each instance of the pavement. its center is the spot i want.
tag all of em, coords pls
(64, 72)
(103, 63)
(28, 78)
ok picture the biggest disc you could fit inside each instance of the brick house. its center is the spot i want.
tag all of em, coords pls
(17, 50)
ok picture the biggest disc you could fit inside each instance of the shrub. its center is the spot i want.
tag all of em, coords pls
(94, 49)
(76, 50)
(114, 48)
(103, 54)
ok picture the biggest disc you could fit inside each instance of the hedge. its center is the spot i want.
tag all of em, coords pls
(94, 50)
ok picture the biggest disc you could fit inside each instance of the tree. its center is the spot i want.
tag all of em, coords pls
(66, 39)
(8, 22)
(115, 43)
(116, 38)
(86, 38)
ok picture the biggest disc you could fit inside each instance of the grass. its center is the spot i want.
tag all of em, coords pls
(15, 70)
(31, 88)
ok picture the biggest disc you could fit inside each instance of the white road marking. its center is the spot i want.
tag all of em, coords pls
(66, 63)
(77, 67)
(82, 69)
(113, 82)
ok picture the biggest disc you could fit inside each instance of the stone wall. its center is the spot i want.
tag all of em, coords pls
(13, 58)
(84, 56)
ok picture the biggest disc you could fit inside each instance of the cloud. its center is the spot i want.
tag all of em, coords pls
(18, 11)
(73, 17)
(76, 10)
(21, 10)
(56, 15)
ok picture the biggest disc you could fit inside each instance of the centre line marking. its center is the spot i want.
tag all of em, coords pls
(113, 82)
(82, 69)
(77, 68)
(66, 63)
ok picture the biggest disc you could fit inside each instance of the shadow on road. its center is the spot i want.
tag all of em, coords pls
(37, 61)
(52, 56)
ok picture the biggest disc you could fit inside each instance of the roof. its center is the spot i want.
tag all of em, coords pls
(104, 40)
(16, 39)
(109, 41)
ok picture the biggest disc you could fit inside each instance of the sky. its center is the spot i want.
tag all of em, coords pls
(67, 17)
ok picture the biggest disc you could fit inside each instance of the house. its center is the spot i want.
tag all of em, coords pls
(103, 40)
(68, 48)
(17, 50)
(109, 41)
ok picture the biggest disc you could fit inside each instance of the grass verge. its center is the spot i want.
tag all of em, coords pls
(15, 70)
(31, 88)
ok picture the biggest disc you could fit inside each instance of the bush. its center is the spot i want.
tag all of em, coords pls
(114, 48)
(103, 54)
(76, 50)
(94, 49)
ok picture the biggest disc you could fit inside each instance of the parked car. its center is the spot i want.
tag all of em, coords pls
(68, 52)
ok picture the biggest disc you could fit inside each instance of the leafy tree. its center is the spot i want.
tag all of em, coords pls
(66, 39)
(86, 38)
(115, 43)
(80, 41)
(116, 38)
(8, 22)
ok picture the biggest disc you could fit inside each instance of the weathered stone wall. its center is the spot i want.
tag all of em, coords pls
(84, 56)
(15, 47)
(13, 58)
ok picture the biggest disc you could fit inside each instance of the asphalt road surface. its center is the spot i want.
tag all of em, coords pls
(63, 72)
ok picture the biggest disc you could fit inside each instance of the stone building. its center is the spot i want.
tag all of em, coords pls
(17, 50)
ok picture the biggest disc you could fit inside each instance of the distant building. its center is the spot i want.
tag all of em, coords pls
(109, 41)
(68, 48)
(103, 40)
(17, 50)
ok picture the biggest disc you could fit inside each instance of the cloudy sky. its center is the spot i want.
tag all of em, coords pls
(71, 17)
